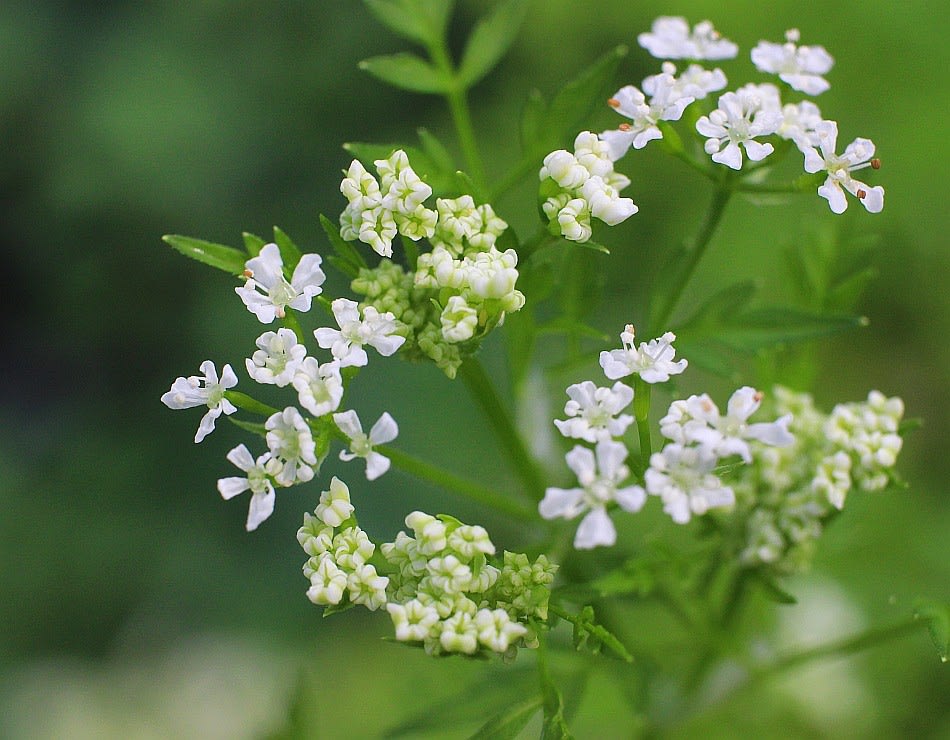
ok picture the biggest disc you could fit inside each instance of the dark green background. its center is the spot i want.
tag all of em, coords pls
(132, 603)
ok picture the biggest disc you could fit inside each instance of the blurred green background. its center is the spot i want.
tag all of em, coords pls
(132, 602)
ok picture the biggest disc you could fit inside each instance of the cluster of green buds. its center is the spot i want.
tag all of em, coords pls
(449, 298)
(790, 492)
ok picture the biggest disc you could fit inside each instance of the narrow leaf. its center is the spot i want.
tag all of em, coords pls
(937, 616)
(768, 327)
(532, 120)
(348, 258)
(436, 151)
(225, 258)
(490, 39)
(772, 590)
(407, 72)
(252, 243)
(509, 723)
(289, 251)
(422, 21)
(244, 401)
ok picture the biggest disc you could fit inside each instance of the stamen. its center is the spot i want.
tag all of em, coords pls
(861, 194)
(248, 273)
(875, 164)
(613, 102)
(758, 396)
(624, 127)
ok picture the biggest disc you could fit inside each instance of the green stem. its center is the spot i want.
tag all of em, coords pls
(641, 412)
(693, 255)
(473, 491)
(511, 443)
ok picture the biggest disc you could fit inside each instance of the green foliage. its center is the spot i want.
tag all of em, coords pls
(492, 36)
(408, 72)
(348, 258)
(222, 257)
(422, 21)
(509, 723)
(937, 616)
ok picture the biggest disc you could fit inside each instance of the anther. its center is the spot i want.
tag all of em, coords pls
(613, 102)
(875, 164)
(248, 273)
(861, 194)
(624, 127)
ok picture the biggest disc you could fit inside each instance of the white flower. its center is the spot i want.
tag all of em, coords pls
(430, 532)
(670, 38)
(697, 420)
(257, 481)
(193, 391)
(352, 548)
(833, 478)
(605, 202)
(750, 111)
(346, 343)
(459, 634)
(367, 587)
(413, 620)
(599, 472)
(292, 447)
(594, 411)
(327, 583)
(695, 81)
(667, 103)
(319, 387)
(266, 272)
(490, 227)
(799, 122)
(360, 187)
(458, 319)
(683, 478)
(361, 445)
(799, 66)
(376, 227)
(458, 219)
(574, 220)
(496, 631)
(277, 358)
(402, 189)
(334, 507)
(563, 167)
(858, 155)
(469, 540)
(652, 361)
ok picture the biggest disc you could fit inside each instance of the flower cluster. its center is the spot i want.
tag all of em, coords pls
(787, 494)
(296, 445)
(747, 123)
(578, 186)
(453, 295)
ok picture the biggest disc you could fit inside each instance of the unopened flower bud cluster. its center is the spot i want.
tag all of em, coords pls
(471, 282)
(748, 123)
(788, 493)
(296, 443)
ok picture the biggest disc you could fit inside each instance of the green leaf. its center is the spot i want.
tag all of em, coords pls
(509, 723)
(490, 39)
(722, 305)
(436, 151)
(937, 616)
(407, 72)
(767, 327)
(532, 120)
(572, 327)
(289, 251)
(348, 259)
(596, 247)
(249, 426)
(555, 726)
(588, 634)
(252, 243)
(244, 401)
(422, 21)
(574, 102)
(225, 258)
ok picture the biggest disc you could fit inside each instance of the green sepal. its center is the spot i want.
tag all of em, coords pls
(490, 39)
(937, 616)
(508, 724)
(408, 72)
(249, 426)
(252, 243)
(220, 256)
(422, 21)
(244, 401)
(289, 252)
(347, 259)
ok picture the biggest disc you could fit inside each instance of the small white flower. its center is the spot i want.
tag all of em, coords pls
(346, 343)
(319, 387)
(490, 227)
(449, 574)
(459, 320)
(459, 634)
(403, 190)
(458, 219)
(292, 447)
(695, 81)
(496, 631)
(833, 478)
(667, 103)
(683, 478)
(377, 228)
(266, 272)
(562, 167)
(799, 122)
(413, 620)
(187, 393)
(327, 583)
(469, 540)
(652, 361)
(360, 188)
(257, 481)
(670, 38)
(599, 472)
(750, 111)
(367, 587)
(277, 358)
(361, 445)
(574, 220)
(858, 155)
(334, 507)
(605, 201)
(352, 548)
(430, 532)
(594, 410)
(698, 420)
(799, 66)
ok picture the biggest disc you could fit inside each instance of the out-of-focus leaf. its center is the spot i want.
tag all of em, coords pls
(722, 304)
(768, 327)
(490, 39)
(436, 151)
(937, 616)
(422, 21)
(347, 258)
(588, 634)
(508, 724)
(572, 327)
(772, 590)
(289, 251)
(532, 120)
(408, 72)
(222, 257)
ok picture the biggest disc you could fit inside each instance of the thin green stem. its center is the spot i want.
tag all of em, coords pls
(511, 442)
(641, 412)
(694, 254)
(473, 491)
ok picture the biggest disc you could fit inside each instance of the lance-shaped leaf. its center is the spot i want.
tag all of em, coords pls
(408, 72)
(289, 251)
(937, 617)
(769, 327)
(347, 259)
(252, 243)
(422, 21)
(220, 256)
(490, 39)
(508, 724)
